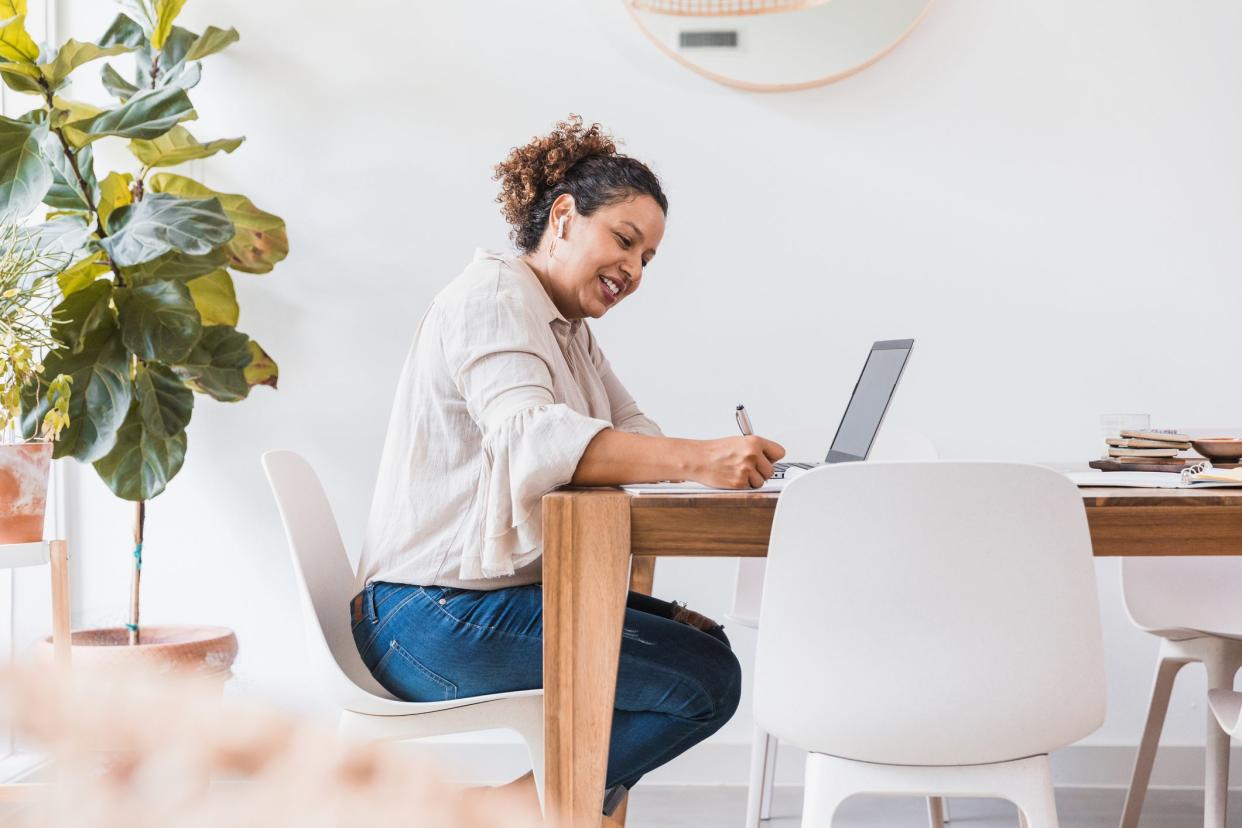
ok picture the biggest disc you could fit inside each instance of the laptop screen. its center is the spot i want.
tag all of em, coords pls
(870, 400)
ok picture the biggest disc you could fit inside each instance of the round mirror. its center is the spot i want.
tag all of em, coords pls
(772, 45)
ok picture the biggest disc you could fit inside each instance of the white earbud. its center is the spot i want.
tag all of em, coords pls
(560, 227)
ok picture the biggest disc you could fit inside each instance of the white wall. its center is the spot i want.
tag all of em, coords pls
(1046, 195)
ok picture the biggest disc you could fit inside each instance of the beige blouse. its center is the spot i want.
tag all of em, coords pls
(498, 399)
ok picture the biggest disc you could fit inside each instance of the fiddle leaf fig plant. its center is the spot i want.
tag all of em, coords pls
(147, 314)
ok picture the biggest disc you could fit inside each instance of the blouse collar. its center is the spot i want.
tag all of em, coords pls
(532, 288)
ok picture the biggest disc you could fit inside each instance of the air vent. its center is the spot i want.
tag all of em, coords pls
(708, 40)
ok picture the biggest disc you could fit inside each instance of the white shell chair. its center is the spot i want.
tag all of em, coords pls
(943, 642)
(891, 444)
(1194, 605)
(326, 583)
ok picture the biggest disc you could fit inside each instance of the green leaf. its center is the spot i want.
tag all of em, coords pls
(262, 369)
(80, 274)
(217, 364)
(145, 115)
(142, 461)
(211, 41)
(178, 146)
(166, 12)
(116, 85)
(65, 113)
(175, 265)
(65, 192)
(83, 313)
(142, 12)
(21, 77)
(123, 32)
(164, 402)
(186, 76)
(149, 228)
(24, 175)
(67, 238)
(15, 44)
(171, 59)
(74, 54)
(114, 192)
(260, 241)
(158, 321)
(100, 398)
(215, 298)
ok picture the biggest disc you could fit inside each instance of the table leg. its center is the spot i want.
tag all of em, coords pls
(58, 551)
(642, 573)
(586, 555)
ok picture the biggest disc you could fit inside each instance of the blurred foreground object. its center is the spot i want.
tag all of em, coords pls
(136, 749)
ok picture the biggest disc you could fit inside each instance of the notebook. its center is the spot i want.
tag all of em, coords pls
(1199, 476)
(774, 484)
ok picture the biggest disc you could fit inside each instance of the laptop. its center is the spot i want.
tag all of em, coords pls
(868, 404)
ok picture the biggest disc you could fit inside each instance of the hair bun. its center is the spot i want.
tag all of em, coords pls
(541, 164)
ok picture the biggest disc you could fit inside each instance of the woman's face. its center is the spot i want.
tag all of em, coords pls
(600, 259)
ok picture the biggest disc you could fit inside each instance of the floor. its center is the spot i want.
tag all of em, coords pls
(724, 807)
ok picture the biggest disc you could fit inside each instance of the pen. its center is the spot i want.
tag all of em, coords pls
(743, 421)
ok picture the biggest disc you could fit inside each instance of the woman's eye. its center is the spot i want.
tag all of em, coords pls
(624, 242)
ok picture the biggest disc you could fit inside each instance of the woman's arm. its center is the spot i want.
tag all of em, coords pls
(614, 457)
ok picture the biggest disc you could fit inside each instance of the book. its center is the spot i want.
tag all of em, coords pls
(1145, 480)
(1161, 436)
(1199, 476)
(1135, 442)
(1113, 451)
(1215, 475)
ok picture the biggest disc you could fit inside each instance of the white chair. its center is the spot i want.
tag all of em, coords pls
(1194, 605)
(930, 629)
(327, 583)
(891, 444)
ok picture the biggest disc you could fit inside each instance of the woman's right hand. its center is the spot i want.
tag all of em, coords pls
(736, 462)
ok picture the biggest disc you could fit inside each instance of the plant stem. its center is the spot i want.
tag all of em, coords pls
(140, 514)
(77, 171)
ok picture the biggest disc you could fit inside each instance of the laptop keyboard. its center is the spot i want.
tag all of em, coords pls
(778, 469)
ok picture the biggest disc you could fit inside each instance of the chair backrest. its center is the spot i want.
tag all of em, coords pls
(892, 443)
(326, 580)
(1176, 593)
(932, 613)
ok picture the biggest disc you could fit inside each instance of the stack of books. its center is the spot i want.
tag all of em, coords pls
(1147, 444)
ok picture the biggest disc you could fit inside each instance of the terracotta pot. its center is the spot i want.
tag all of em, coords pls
(207, 651)
(23, 491)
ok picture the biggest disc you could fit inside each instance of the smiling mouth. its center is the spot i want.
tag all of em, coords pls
(612, 288)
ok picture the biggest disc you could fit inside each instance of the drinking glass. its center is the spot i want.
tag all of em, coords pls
(1111, 425)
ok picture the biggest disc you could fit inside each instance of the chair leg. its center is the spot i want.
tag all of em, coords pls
(532, 734)
(1166, 672)
(769, 778)
(1220, 673)
(1037, 806)
(1025, 782)
(758, 776)
(823, 793)
(935, 811)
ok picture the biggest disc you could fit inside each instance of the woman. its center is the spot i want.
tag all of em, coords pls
(505, 396)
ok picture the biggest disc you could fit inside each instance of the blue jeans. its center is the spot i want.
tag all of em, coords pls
(676, 684)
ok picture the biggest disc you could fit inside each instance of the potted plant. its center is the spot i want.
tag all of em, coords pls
(27, 291)
(147, 312)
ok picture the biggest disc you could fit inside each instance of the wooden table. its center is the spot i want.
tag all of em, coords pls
(591, 537)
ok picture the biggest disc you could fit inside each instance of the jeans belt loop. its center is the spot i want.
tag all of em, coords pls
(368, 601)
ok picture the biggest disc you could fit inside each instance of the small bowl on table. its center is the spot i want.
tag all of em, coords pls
(1219, 449)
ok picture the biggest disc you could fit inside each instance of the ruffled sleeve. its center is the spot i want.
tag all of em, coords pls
(498, 356)
(526, 456)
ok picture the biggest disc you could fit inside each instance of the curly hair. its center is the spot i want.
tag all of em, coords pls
(581, 161)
